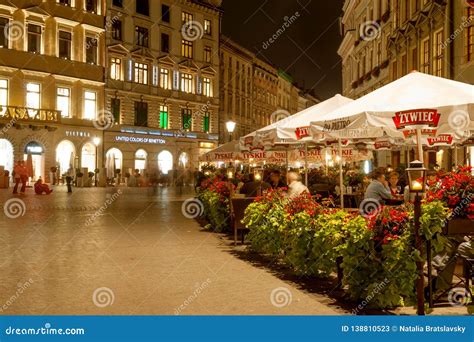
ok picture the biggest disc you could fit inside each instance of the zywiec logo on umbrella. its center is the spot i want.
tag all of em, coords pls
(382, 145)
(412, 132)
(418, 117)
(302, 132)
(445, 139)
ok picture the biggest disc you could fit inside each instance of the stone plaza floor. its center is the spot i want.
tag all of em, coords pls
(131, 251)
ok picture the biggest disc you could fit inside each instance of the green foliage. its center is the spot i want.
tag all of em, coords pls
(433, 219)
(216, 210)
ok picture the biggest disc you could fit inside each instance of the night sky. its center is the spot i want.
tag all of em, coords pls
(307, 50)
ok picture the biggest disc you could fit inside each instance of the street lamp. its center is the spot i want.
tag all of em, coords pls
(416, 182)
(230, 126)
(96, 141)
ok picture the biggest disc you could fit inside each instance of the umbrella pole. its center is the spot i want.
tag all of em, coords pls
(341, 178)
(455, 156)
(420, 147)
(306, 163)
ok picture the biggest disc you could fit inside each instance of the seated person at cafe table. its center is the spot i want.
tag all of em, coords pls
(275, 180)
(393, 181)
(253, 188)
(378, 189)
(295, 186)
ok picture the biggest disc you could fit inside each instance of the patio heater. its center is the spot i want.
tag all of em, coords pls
(416, 182)
(96, 142)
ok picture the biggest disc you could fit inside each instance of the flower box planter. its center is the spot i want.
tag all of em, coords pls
(459, 226)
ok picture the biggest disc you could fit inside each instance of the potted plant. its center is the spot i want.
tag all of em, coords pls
(456, 190)
(79, 180)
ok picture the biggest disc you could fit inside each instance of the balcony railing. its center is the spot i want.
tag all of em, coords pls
(24, 114)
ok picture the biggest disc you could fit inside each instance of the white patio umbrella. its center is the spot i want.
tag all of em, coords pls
(294, 128)
(415, 101)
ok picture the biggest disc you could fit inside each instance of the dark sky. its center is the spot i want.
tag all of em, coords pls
(307, 49)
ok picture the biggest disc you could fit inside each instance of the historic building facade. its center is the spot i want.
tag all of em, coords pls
(236, 89)
(386, 39)
(51, 83)
(265, 91)
(162, 82)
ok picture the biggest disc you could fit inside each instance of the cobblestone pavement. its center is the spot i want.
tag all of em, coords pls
(130, 251)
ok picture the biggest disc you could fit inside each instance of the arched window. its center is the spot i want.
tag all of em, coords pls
(6, 154)
(65, 154)
(88, 157)
(140, 159)
(114, 161)
(165, 162)
(183, 160)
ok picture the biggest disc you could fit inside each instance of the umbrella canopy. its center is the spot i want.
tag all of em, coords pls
(293, 128)
(416, 100)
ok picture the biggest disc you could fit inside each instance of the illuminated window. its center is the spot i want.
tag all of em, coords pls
(207, 27)
(206, 122)
(207, 54)
(33, 95)
(186, 17)
(206, 86)
(425, 56)
(4, 28)
(90, 105)
(186, 83)
(115, 68)
(63, 101)
(164, 117)
(141, 73)
(116, 29)
(140, 159)
(186, 48)
(3, 95)
(164, 78)
(187, 119)
(438, 56)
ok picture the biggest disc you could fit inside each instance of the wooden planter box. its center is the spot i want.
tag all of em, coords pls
(459, 226)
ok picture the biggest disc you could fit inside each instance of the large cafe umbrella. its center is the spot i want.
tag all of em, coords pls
(416, 102)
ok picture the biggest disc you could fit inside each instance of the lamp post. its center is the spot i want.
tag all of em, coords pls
(230, 126)
(416, 181)
(96, 142)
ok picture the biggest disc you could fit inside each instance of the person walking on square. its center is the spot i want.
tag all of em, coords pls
(21, 175)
